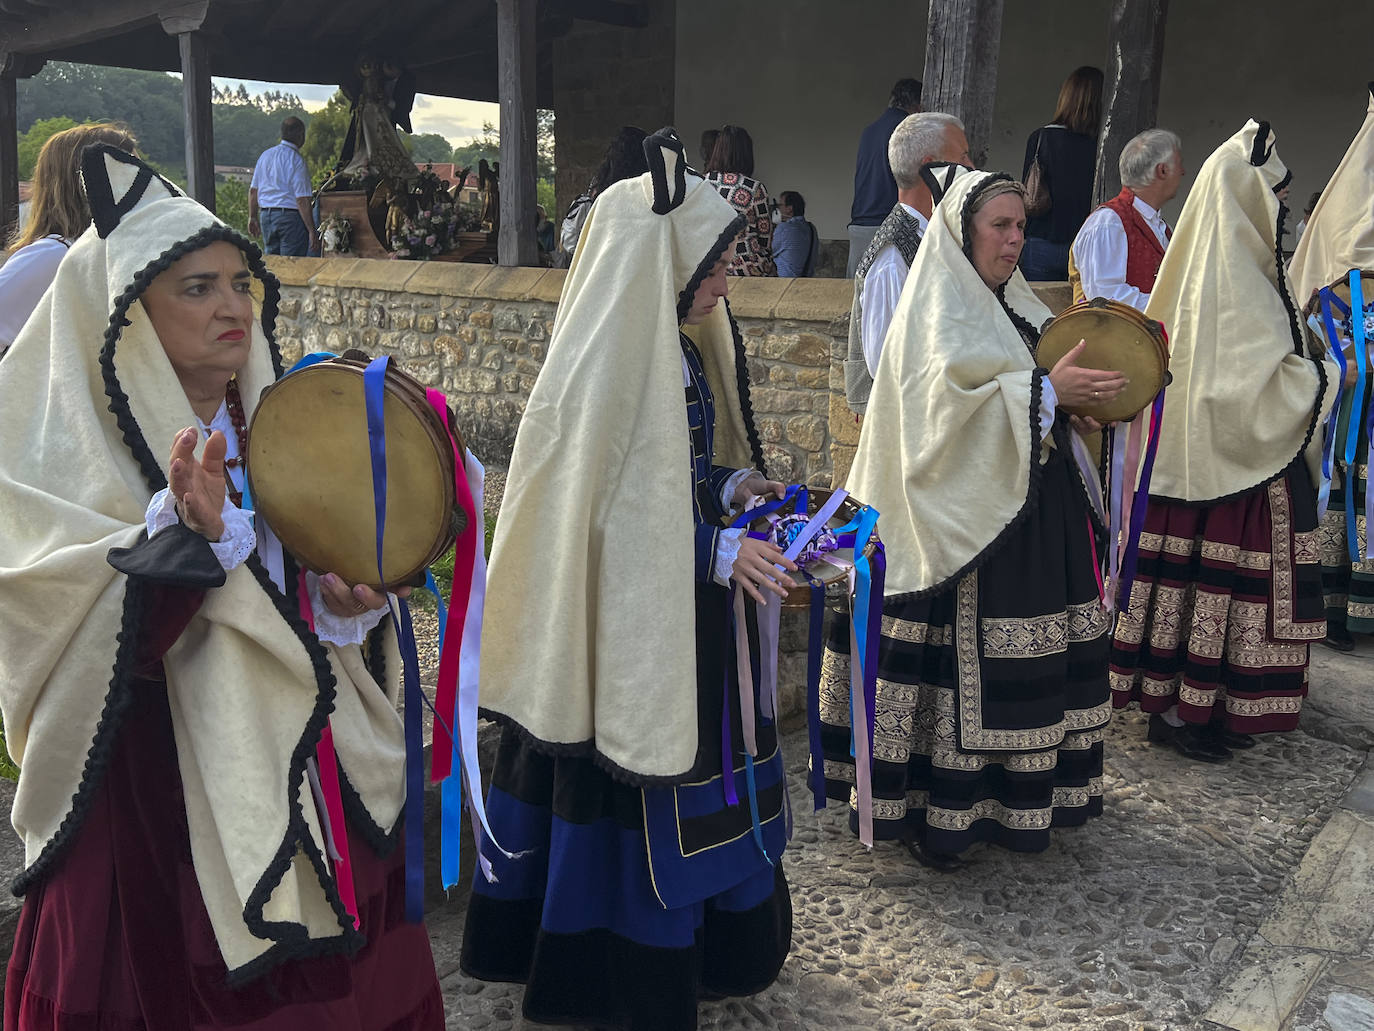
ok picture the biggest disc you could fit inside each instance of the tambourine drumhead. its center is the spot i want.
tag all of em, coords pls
(1118, 338)
(310, 473)
(833, 577)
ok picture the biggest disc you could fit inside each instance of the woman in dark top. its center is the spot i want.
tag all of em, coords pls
(1068, 161)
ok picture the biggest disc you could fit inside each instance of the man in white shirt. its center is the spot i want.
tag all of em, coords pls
(281, 193)
(1118, 250)
(921, 139)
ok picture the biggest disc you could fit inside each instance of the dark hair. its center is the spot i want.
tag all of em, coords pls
(906, 94)
(1312, 202)
(624, 159)
(1079, 108)
(293, 129)
(793, 200)
(708, 144)
(734, 152)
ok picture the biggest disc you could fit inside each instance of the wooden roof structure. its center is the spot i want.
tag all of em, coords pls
(454, 48)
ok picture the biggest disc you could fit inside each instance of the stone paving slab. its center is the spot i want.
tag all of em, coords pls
(1266, 992)
(1329, 907)
(1132, 923)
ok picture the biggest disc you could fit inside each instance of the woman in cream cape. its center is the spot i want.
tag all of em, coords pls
(162, 693)
(992, 667)
(641, 876)
(1341, 238)
(1228, 597)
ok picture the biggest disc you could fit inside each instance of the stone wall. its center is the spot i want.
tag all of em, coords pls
(480, 333)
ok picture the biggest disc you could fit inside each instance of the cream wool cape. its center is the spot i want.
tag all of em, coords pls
(1340, 233)
(1245, 397)
(589, 640)
(88, 429)
(950, 451)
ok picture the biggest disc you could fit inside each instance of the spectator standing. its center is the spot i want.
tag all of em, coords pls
(60, 215)
(1306, 217)
(624, 159)
(708, 144)
(543, 229)
(1117, 253)
(1067, 154)
(279, 208)
(731, 172)
(796, 243)
(875, 190)
(882, 271)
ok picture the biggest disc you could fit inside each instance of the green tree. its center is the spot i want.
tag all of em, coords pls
(31, 142)
(231, 204)
(324, 136)
(488, 146)
(429, 146)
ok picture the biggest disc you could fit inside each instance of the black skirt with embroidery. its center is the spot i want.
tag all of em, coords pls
(992, 695)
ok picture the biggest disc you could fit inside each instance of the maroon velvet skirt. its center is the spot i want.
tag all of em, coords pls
(115, 936)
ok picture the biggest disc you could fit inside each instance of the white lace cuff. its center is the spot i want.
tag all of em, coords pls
(235, 544)
(727, 551)
(1049, 401)
(727, 492)
(340, 630)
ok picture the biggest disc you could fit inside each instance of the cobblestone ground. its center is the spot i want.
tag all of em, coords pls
(1129, 924)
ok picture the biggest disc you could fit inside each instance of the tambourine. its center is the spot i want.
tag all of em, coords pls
(832, 575)
(1120, 339)
(310, 473)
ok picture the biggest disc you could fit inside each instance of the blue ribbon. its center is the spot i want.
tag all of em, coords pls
(1352, 440)
(862, 527)
(745, 518)
(451, 789)
(374, 396)
(1333, 337)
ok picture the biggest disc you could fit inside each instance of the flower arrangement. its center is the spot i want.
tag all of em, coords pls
(435, 223)
(336, 232)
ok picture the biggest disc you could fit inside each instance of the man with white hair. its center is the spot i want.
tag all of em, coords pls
(921, 139)
(1118, 250)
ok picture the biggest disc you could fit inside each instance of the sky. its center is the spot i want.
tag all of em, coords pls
(456, 120)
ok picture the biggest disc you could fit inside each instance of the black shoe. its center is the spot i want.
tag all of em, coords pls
(1188, 740)
(1230, 738)
(1338, 638)
(942, 862)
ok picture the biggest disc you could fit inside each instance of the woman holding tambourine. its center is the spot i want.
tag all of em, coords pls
(992, 666)
(188, 740)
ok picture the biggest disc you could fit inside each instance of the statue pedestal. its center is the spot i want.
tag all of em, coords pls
(365, 241)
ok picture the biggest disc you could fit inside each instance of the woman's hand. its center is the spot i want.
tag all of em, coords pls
(350, 602)
(756, 569)
(1075, 386)
(198, 485)
(757, 484)
(1086, 424)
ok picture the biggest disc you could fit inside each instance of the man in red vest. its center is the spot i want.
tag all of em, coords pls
(1117, 252)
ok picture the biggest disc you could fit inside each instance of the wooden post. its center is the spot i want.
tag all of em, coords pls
(9, 155)
(962, 40)
(200, 127)
(516, 243)
(1135, 42)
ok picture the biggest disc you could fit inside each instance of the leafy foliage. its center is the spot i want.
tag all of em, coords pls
(31, 142)
(429, 146)
(231, 204)
(324, 136)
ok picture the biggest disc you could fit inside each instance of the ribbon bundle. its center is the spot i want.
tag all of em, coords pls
(454, 755)
(865, 578)
(1352, 406)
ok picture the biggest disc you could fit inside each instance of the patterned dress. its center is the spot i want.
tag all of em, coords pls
(1227, 599)
(992, 691)
(753, 252)
(1348, 586)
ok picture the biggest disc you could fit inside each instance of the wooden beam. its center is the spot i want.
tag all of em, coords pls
(178, 19)
(1135, 42)
(9, 156)
(962, 40)
(516, 244)
(634, 15)
(200, 127)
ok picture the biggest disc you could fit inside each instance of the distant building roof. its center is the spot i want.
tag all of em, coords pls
(448, 172)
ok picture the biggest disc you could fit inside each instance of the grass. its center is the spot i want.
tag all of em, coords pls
(443, 571)
(8, 770)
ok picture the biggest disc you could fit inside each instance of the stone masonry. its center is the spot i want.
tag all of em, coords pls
(480, 334)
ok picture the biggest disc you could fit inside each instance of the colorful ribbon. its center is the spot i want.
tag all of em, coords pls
(1327, 326)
